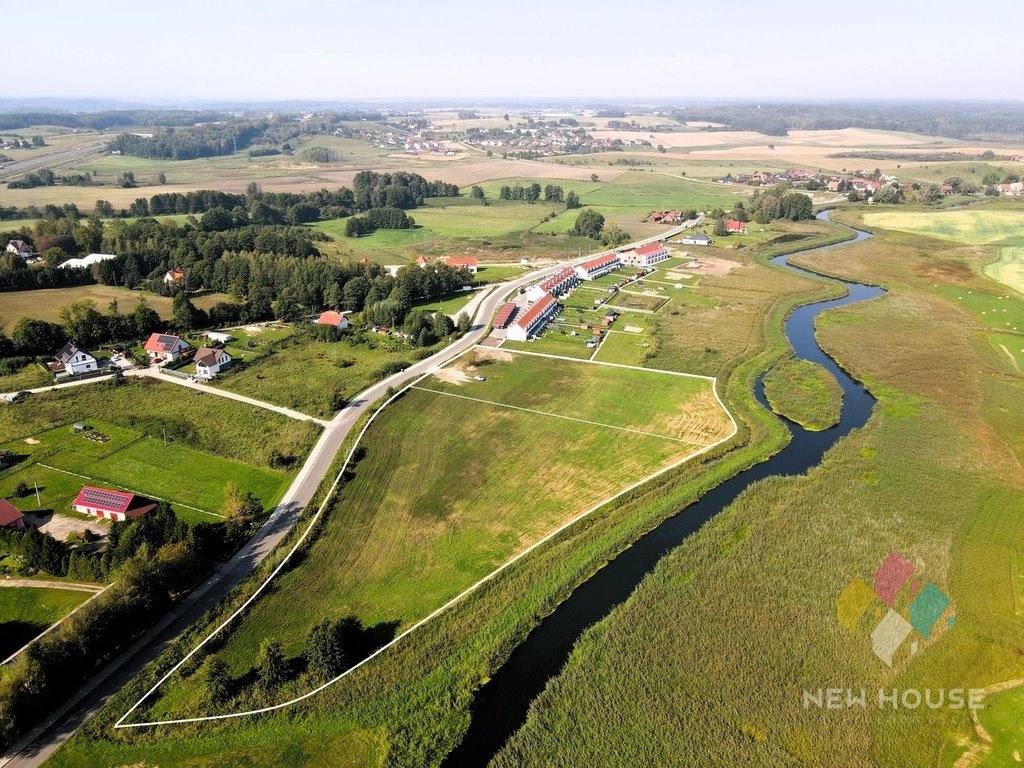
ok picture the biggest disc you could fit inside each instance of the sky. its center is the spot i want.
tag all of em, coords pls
(357, 50)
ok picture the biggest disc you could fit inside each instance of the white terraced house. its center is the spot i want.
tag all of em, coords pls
(602, 265)
(533, 319)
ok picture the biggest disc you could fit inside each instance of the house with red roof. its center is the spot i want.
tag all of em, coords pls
(11, 517)
(421, 262)
(210, 361)
(505, 315)
(337, 320)
(602, 265)
(645, 255)
(111, 505)
(164, 346)
(530, 322)
(734, 227)
(459, 262)
(175, 276)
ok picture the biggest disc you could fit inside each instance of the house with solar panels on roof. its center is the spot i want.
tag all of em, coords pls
(163, 347)
(111, 505)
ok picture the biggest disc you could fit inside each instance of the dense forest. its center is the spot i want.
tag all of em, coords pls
(956, 121)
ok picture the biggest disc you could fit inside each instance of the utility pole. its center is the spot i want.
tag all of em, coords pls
(38, 502)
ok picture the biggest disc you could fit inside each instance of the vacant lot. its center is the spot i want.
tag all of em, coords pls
(46, 303)
(180, 446)
(556, 340)
(27, 611)
(314, 377)
(625, 348)
(457, 479)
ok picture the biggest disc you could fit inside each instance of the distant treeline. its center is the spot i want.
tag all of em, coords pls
(922, 157)
(125, 118)
(955, 121)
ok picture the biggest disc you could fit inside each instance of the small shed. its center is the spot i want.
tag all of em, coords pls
(81, 426)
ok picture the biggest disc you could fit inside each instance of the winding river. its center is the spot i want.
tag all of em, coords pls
(502, 703)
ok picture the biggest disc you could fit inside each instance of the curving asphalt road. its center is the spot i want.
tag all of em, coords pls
(35, 748)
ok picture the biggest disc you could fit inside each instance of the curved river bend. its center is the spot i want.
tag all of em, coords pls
(502, 703)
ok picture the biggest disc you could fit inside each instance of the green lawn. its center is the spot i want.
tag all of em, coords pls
(1001, 312)
(631, 300)
(804, 392)
(556, 341)
(27, 611)
(449, 305)
(624, 348)
(1010, 348)
(210, 441)
(1008, 269)
(436, 502)
(29, 377)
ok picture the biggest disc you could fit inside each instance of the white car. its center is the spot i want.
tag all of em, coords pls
(478, 377)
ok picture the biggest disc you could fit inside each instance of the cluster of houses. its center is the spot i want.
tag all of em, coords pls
(768, 178)
(545, 141)
(468, 263)
(102, 503)
(1012, 189)
(163, 348)
(665, 217)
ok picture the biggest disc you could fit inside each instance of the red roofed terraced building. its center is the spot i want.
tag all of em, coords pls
(505, 315)
(556, 285)
(533, 319)
(602, 265)
(111, 505)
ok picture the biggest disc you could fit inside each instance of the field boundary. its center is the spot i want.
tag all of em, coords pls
(56, 624)
(121, 724)
(613, 365)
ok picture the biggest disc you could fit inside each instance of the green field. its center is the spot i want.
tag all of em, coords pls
(556, 340)
(27, 611)
(32, 375)
(436, 502)
(1003, 719)
(1010, 348)
(313, 377)
(625, 348)
(804, 392)
(46, 303)
(971, 226)
(1001, 312)
(210, 441)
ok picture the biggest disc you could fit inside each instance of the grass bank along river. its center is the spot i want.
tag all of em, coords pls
(502, 704)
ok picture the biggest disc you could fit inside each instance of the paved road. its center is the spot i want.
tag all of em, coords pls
(51, 159)
(62, 724)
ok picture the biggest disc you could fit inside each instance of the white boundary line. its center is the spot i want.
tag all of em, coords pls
(470, 589)
(556, 415)
(611, 365)
(53, 626)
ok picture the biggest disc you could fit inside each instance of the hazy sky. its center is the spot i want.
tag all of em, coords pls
(357, 49)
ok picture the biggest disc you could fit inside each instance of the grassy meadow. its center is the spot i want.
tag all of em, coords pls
(27, 611)
(436, 502)
(804, 392)
(180, 447)
(935, 475)
(412, 703)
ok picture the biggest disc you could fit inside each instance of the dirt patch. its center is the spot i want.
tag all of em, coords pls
(31, 441)
(497, 355)
(711, 265)
(452, 375)
(633, 329)
(61, 526)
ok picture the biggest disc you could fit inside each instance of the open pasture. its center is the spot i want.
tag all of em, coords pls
(1003, 312)
(1008, 269)
(457, 479)
(624, 347)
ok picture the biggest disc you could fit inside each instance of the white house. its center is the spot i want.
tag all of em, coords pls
(533, 319)
(20, 248)
(222, 336)
(74, 360)
(164, 346)
(210, 362)
(602, 265)
(337, 319)
(695, 238)
(174, 276)
(556, 285)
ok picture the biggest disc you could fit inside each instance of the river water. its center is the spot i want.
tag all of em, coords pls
(501, 705)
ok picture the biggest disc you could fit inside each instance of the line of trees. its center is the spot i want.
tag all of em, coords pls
(378, 218)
